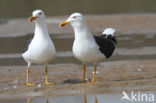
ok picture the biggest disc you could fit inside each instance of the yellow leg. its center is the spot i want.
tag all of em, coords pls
(28, 84)
(94, 74)
(85, 99)
(84, 73)
(46, 77)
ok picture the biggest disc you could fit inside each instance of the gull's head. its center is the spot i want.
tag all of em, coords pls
(37, 15)
(109, 31)
(74, 19)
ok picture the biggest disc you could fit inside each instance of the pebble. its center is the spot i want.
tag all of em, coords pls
(15, 87)
(139, 69)
(96, 72)
(5, 88)
(39, 85)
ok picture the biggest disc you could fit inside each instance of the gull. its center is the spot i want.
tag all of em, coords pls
(88, 48)
(40, 49)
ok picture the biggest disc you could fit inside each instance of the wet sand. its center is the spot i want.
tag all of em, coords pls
(113, 77)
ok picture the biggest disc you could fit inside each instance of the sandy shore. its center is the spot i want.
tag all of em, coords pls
(124, 24)
(113, 77)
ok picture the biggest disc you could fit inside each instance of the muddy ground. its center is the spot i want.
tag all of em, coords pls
(113, 77)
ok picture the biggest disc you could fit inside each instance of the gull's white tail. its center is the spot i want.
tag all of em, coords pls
(109, 31)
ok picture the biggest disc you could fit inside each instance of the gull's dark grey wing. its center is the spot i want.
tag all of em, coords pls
(106, 44)
(27, 45)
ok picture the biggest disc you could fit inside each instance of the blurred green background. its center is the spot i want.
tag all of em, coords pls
(24, 8)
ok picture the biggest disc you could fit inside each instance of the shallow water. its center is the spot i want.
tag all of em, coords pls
(129, 47)
(98, 98)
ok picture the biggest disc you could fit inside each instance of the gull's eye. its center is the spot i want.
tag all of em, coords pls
(40, 13)
(74, 17)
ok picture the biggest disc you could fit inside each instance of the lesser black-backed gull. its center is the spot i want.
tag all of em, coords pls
(88, 48)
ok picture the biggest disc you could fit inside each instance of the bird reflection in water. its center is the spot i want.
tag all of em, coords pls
(28, 99)
(85, 99)
(47, 101)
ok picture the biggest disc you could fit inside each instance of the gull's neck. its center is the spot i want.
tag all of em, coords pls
(41, 30)
(81, 31)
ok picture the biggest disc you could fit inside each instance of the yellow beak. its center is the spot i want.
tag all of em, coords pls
(32, 18)
(62, 24)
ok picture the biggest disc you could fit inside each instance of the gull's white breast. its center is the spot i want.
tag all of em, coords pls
(41, 50)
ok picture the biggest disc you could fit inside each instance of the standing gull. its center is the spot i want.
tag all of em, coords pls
(88, 48)
(40, 49)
